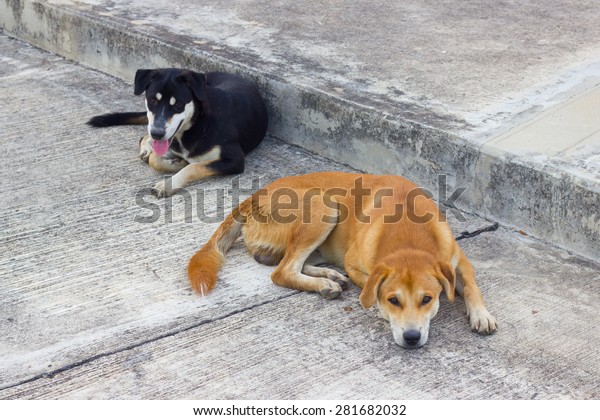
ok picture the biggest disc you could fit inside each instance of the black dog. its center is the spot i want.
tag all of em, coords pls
(198, 124)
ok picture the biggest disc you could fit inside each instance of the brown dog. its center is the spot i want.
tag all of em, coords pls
(383, 230)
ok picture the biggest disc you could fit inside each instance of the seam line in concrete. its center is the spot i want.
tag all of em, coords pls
(70, 366)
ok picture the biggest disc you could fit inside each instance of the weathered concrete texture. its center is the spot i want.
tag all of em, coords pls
(80, 275)
(414, 88)
(95, 304)
(304, 347)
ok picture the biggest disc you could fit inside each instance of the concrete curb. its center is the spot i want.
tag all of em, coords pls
(544, 201)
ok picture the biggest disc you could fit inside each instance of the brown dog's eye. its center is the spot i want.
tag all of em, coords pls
(394, 301)
(426, 300)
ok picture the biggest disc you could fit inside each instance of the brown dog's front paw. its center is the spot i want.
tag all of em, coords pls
(482, 322)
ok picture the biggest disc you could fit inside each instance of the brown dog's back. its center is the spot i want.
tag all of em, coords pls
(273, 217)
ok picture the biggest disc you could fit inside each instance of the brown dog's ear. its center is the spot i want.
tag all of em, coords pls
(368, 296)
(445, 274)
(142, 80)
(196, 82)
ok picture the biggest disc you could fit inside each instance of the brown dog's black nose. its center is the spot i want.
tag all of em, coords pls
(411, 337)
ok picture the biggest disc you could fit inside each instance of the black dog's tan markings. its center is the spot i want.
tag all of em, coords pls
(209, 122)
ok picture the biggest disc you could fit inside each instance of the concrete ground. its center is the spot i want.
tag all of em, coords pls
(94, 301)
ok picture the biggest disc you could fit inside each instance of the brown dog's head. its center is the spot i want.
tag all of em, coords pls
(407, 287)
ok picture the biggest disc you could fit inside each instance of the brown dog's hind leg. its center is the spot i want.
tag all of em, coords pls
(305, 239)
(267, 256)
(331, 274)
(289, 275)
(480, 319)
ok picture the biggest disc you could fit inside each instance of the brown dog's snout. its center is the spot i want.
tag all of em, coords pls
(411, 337)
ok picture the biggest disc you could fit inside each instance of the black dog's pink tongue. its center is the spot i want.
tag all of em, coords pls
(160, 146)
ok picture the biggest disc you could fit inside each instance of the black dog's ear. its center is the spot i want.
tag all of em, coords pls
(142, 80)
(196, 82)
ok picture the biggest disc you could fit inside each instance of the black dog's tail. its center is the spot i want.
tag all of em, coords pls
(119, 118)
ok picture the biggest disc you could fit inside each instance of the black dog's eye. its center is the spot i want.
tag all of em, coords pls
(153, 101)
(426, 300)
(394, 301)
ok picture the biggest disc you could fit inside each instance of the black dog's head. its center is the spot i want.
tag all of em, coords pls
(173, 97)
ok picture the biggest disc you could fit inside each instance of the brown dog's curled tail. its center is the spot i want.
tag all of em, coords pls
(206, 263)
